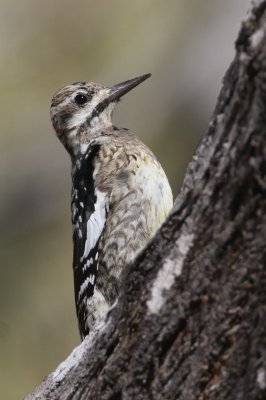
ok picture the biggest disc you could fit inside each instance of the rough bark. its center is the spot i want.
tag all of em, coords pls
(190, 322)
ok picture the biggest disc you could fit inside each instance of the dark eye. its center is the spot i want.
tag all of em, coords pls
(81, 99)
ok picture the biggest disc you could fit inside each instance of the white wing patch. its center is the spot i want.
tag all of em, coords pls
(96, 223)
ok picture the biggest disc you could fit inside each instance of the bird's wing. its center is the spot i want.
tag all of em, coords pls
(89, 209)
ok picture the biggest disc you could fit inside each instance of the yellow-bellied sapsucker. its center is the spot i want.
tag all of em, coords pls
(120, 193)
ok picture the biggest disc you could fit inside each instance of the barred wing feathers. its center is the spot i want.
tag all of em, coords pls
(89, 211)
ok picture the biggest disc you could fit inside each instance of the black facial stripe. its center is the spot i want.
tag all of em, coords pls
(98, 109)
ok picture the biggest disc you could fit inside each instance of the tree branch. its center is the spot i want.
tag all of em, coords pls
(190, 320)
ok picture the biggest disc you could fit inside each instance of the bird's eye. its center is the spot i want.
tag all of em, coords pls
(81, 99)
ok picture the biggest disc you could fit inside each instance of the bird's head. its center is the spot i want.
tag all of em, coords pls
(81, 109)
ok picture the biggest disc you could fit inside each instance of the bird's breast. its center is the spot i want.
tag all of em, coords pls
(139, 201)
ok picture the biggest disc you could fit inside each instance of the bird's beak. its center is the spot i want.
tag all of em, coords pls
(122, 88)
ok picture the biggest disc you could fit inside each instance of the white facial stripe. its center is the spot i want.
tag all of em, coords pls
(81, 115)
(104, 117)
(78, 118)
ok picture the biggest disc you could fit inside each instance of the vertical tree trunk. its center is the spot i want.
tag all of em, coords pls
(190, 322)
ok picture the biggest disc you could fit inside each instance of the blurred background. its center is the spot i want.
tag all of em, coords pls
(187, 46)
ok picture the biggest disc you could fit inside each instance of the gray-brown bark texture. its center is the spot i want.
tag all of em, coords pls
(191, 319)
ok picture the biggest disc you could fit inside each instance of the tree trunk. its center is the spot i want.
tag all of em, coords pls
(190, 322)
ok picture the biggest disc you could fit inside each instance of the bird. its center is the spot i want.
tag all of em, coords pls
(120, 193)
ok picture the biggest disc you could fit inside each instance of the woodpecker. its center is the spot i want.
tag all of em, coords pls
(120, 193)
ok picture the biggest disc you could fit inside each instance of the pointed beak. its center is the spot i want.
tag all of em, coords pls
(122, 88)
